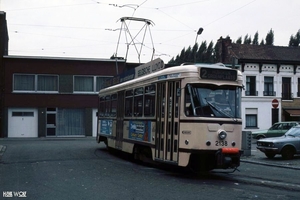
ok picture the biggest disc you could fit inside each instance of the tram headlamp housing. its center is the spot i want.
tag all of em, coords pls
(222, 134)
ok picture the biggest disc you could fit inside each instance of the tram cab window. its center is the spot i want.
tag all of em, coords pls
(129, 103)
(138, 102)
(212, 101)
(188, 104)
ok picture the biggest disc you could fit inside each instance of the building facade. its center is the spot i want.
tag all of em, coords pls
(271, 78)
(53, 96)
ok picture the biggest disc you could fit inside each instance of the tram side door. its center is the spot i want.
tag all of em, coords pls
(120, 119)
(167, 122)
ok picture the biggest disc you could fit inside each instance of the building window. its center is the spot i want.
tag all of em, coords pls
(83, 84)
(89, 84)
(269, 86)
(251, 121)
(101, 82)
(22, 114)
(35, 83)
(24, 82)
(70, 122)
(286, 89)
(47, 83)
(251, 117)
(251, 86)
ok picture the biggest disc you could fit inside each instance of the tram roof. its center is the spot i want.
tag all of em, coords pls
(184, 68)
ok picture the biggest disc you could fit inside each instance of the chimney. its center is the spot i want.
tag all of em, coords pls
(223, 44)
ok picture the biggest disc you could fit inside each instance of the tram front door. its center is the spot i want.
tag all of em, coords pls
(167, 122)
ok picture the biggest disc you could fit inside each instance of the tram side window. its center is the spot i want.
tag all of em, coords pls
(138, 102)
(149, 108)
(128, 103)
(102, 107)
(107, 106)
(114, 104)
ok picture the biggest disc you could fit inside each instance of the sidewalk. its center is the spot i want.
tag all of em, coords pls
(259, 157)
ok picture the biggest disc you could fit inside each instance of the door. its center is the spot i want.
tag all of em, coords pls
(22, 122)
(120, 119)
(167, 122)
(286, 88)
(51, 121)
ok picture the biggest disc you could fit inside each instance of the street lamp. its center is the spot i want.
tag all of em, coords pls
(198, 33)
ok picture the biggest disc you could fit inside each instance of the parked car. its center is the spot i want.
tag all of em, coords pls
(278, 129)
(287, 145)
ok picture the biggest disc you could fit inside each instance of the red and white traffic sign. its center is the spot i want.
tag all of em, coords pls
(275, 103)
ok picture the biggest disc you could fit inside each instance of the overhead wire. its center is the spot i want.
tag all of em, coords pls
(160, 9)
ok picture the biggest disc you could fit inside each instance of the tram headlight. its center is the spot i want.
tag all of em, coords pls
(222, 134)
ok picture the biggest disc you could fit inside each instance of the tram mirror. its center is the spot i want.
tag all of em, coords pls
(178, 92)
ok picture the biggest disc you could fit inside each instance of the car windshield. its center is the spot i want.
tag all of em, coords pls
(295, 132)
(213, 101)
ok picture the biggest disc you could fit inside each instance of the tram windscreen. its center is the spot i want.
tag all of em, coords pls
(213, 101)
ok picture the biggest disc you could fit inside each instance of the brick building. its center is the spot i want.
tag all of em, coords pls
(48, 96)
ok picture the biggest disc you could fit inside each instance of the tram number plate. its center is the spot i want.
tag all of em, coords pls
(221, 143)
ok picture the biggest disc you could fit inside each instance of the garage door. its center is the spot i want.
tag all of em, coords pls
(22, 123)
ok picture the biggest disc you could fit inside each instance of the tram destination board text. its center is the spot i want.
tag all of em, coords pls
(218, 74)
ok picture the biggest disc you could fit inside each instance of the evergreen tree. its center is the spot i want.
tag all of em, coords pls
(239, 40)
(182, 57)
(201, 51)
(177, 60)
(172, 61)
(209, 53)
(189, 55)
(270, 38)
(194, 51)
(255, 39)
(295, 40)
(247, 39)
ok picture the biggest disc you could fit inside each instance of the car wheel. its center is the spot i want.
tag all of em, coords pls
(270, 155)
(287, 153)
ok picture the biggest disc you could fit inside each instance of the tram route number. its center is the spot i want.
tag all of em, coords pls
(221, 143)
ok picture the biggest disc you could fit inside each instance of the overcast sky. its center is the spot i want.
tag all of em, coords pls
(91, 28)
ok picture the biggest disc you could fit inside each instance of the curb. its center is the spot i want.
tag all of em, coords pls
(269, 164)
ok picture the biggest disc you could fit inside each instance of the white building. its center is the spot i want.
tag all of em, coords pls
(271, 77)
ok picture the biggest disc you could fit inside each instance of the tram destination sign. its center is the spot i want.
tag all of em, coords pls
(218, 74)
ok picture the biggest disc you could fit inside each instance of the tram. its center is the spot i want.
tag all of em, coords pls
(188, 115)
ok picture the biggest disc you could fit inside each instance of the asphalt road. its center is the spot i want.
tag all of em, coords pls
(79, 168)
